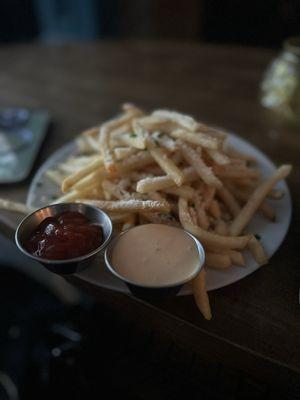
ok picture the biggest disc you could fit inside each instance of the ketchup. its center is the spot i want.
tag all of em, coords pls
(67, 235)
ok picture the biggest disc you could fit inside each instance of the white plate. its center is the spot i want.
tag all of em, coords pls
(42, 190)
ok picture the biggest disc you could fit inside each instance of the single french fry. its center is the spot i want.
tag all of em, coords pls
(131, 139)
(68, 169)
(162, 159)
(257, 197)
(131, 108)
(257, 251)
(140, 133)
(146, 185)
(217, 261)
(200, 139)
(71, 180)
(154, 123)
(218, 157)
(237, 258)
(193, 158)
(229, 201)
(80, 161)
(232, 171)
(185, 121)
(15, 206)
(232, 152)
(131, 205)
(118, 192)
(264, 207)
(136, 161)
(209, 238)
(200, 294)
(106, 150)
(83, 146)
(76, 194)
(94, 177)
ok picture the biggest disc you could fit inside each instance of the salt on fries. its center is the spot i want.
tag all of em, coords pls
(166, 167)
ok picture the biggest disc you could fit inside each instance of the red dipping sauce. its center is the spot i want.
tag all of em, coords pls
(68, 235)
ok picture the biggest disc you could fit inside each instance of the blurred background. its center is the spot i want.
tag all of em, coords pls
(49, 343)
(256, 23)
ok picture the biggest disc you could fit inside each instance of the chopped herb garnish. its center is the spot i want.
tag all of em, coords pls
(257, 236)
(160, 134)
(156, 142)
(132, 134)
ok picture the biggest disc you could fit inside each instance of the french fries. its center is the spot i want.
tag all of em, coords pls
(257, 197)
(200, 139)
(164, 182)
(257, 251)
(186, 121)
(131, 205)
(15, 206)
(209, 238)
(200, 294)
(104, 138)
(194, 159)
(229, 201)
(166, 164)
(74, 178)
(166, 167)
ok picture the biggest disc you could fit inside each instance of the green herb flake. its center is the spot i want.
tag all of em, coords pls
(257, 236)
(133, 135)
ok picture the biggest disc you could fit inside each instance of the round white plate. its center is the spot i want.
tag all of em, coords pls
(42, 191)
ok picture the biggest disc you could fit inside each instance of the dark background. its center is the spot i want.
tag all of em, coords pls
(52, 350)
(258, 23)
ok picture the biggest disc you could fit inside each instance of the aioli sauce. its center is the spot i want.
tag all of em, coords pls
(155, 254)
(67, 235)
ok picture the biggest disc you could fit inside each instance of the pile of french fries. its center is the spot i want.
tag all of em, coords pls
(165, 167)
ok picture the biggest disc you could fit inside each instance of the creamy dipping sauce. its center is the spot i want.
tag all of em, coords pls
(155, 255)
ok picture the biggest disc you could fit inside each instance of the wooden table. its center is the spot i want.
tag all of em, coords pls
(256, 324)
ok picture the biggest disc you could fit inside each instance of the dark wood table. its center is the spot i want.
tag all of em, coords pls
(256, 322)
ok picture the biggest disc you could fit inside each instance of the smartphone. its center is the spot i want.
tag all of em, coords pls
(22, 132)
